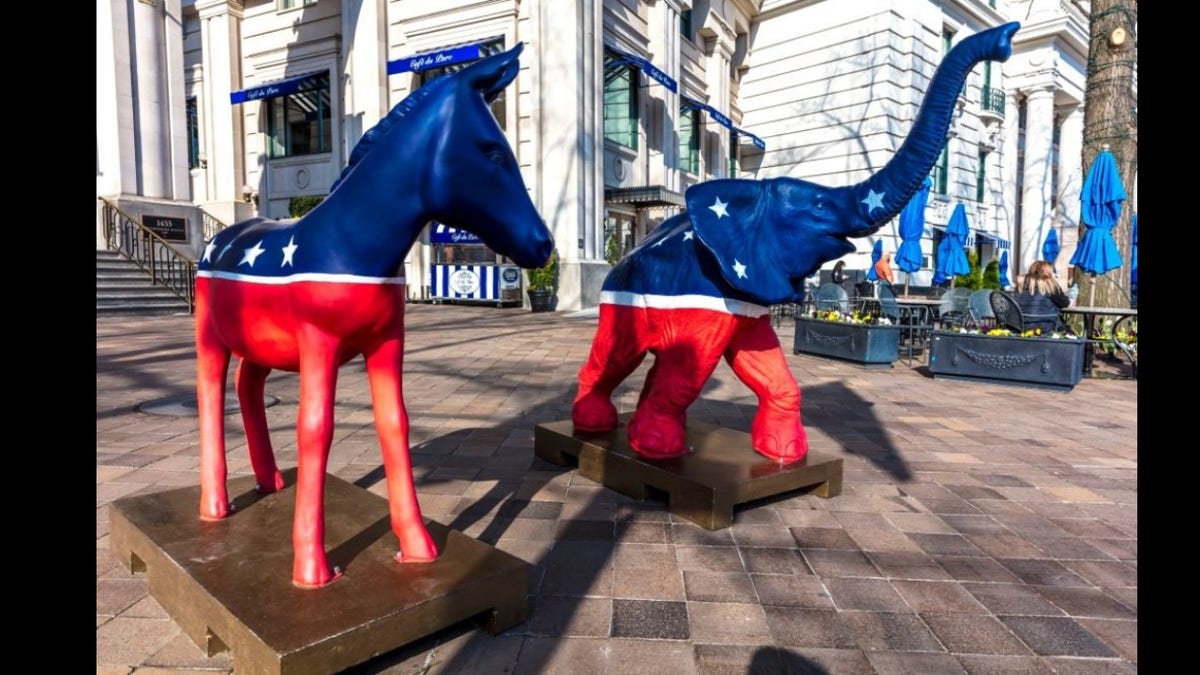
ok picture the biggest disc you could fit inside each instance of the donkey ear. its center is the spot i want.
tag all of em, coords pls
(738, 221)
(491, 75)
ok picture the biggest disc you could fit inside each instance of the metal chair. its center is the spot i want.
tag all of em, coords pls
(831, 297)
(914, 326)
(979, 310)
(953, 312)
(1007, 312)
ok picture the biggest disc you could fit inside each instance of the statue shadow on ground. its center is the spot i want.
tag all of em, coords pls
(584, 545)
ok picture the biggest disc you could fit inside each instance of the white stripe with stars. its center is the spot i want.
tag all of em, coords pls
(293, 278)
(647, 301)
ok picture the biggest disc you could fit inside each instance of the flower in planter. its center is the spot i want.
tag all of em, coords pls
(1034, 333)
(860, 318)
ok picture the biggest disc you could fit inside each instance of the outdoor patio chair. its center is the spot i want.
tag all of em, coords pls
(953, 312)
(1006, 311)
(914, 326)
(979, 310)
(831, 297)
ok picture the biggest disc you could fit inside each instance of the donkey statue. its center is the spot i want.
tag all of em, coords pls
(309, 295)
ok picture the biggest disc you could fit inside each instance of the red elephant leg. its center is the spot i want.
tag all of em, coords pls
(757, 359)
(314, 428)
(617, 350)
(657, 429)
(212, 367)
(384, 368)
(250, 380)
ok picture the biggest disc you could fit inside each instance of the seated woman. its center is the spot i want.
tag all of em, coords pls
(1040, 297)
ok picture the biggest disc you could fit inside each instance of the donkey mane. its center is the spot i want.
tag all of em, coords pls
(368, 140)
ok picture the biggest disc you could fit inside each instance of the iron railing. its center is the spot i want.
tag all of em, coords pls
(211, 225)
(992, 100)
(167, 266)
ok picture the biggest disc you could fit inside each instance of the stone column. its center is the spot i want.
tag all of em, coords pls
(1036, 215)
(1070, 184)
(664, 44)
(223, 137)
(716, 74)
(364, 25)
(570, 109)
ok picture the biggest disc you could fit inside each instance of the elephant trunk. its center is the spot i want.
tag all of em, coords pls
(884, 194)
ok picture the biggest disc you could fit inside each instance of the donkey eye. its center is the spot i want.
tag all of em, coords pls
(496, 157)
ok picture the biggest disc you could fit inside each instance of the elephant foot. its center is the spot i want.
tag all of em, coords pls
(271, 484)
(657, 436)
(416, 546)
(313, 571)
(594, 414)
(782, 441)
(214, 506)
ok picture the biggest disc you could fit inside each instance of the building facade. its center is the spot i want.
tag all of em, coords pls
(227, 109)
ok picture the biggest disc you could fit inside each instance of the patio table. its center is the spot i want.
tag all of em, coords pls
(1089, 315)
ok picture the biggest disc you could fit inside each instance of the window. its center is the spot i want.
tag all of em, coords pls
(981, 177)
(685, 23)
(293, 4)
(1055, 137)
(735, 149)
(689, 140)
(486, 49)
(941, 171)
(620, 104)
(299, 123)
(193, 133)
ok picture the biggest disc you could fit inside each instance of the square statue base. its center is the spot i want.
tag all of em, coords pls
(228, 584)
(722, 471)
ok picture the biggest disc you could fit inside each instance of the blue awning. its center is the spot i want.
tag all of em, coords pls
(970, 233)
(721, 118)
(999, 242)
(758, 142)
(647, 68)
(283, 87)
(438, 58)
(440, 233)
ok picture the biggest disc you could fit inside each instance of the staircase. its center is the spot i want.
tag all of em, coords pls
(124, 289)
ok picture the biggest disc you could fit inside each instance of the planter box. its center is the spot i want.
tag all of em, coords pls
(1039, 362)
(869, 346)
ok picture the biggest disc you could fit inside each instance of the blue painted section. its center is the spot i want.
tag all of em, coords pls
(648, 68)
(435, 59)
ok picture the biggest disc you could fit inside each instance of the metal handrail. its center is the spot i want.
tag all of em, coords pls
(167, 266)
(212, 225)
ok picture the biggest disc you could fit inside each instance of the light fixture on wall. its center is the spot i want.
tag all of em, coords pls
(249, 195)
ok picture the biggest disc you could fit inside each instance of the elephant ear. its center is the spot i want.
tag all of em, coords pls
(738, 221)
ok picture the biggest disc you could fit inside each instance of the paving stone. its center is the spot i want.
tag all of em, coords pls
(650, 619)
(973, 634)
(1056, 636)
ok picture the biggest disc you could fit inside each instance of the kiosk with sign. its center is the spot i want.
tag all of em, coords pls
(464, 269)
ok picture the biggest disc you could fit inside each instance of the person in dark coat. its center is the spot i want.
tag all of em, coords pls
(1040, 297)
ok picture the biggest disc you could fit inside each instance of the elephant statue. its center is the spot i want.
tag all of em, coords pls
(700, 285)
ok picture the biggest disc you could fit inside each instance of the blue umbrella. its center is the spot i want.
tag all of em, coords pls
(1102, 197)
(1050, 247)
(1004, 270)
(912, 226)
(952, 258)
(876, 254)
(1133, 262)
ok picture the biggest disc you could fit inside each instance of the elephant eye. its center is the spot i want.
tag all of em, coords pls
(496, 157)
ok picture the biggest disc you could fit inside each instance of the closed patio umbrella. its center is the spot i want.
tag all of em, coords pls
(876, 254)
(1050, 247)
(952, 256)
(912, 226)
(1103, 195)
(1133, 261)
(1004, 271)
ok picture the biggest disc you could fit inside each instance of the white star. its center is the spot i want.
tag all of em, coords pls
(212, 246)
(225, 250)
(288, 252)
(688, 235)
(874, 200)
(739, 268)
(718, 208)
(252, 253)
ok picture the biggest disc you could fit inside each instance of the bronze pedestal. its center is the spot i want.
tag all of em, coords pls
(228, 583)
(704, 486)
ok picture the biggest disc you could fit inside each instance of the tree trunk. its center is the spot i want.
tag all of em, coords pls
(1110, 120)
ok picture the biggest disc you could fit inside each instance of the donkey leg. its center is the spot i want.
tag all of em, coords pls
(757, 359)
(250, 380)
(385, 365)
(314, 428)
(617, 350)
(212, 367)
